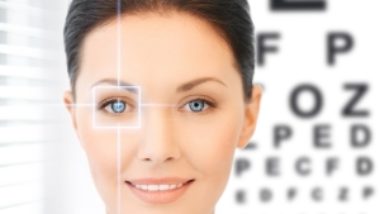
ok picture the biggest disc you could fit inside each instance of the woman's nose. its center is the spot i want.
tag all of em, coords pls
(158, 143)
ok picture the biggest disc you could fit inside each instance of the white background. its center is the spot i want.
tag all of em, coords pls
(67, 186)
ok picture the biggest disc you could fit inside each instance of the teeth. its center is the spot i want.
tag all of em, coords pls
(153, 187)
(164, 187)
(144, 187)
(158, 187)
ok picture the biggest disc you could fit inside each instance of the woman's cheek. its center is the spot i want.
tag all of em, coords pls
(100, 148)
(212, 142)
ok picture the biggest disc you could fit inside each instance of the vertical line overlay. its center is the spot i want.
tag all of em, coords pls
(118, 70)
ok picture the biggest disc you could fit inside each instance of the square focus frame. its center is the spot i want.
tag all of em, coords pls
(95, 123)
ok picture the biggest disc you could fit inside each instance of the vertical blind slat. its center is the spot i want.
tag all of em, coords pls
(24, 36)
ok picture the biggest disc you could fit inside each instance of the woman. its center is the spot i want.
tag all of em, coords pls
(169, 83)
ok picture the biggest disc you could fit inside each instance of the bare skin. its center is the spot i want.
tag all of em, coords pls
(181, 62)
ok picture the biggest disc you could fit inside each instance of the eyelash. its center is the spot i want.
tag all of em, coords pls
(103, 104)
(210, 105)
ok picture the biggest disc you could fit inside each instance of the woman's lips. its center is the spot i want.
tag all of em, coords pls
(159, 191)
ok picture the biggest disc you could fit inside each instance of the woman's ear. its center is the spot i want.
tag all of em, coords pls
(251, 115)
(68, 99)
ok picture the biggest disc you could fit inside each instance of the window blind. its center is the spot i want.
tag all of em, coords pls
(28, 55)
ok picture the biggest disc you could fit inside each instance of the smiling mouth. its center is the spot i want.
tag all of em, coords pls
(158, 187)
(159, 190)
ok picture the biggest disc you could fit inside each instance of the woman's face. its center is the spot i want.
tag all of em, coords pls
(192, 113)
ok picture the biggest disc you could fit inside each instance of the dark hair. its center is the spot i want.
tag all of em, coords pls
(230, 17)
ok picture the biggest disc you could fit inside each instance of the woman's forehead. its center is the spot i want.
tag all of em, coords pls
(153, 48)
(156, 41)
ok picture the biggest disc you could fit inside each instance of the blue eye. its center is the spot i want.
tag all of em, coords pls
(116, 106)
(197, 105)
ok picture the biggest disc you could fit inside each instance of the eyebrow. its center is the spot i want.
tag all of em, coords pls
(182, 88)
(115, 82)
(192, 84)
